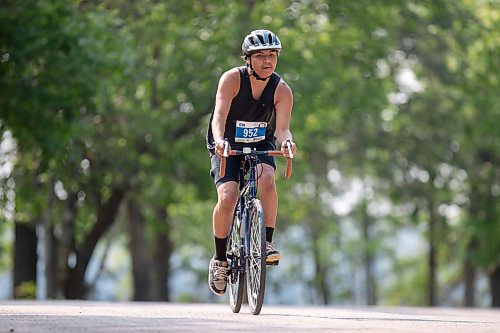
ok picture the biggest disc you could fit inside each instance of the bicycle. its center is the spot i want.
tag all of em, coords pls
(246, 245)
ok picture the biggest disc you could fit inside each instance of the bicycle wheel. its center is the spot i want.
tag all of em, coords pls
(256, 259)
(236, 275)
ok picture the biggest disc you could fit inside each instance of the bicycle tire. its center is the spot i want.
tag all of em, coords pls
(236, 278)
(256, 259)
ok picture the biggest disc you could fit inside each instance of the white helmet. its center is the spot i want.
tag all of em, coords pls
(260, 40)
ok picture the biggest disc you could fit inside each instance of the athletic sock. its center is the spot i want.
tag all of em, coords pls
(220, 248)
(269, 234)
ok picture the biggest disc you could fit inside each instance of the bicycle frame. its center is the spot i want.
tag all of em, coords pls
(247, 253)
(248, 192)
(248, 187)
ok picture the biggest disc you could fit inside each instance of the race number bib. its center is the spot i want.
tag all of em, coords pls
(248, 131)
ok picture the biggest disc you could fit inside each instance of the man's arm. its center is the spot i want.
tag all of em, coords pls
(228, 88)
(283, 105)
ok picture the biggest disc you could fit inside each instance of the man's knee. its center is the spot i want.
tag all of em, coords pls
(266, 176)
(227, 197)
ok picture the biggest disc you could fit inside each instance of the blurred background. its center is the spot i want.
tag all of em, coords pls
(105, 191)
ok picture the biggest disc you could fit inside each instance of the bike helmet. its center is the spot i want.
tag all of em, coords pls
(260, 40)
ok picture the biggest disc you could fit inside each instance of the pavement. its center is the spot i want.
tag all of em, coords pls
(87, 316)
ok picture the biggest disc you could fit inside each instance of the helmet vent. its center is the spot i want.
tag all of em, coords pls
(260, 40)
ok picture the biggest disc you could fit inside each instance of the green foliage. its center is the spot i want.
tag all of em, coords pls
(44, 85)
(409, 283)
(26, 290)
(399, 96)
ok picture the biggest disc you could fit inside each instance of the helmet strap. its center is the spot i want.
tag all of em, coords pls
(254, 74)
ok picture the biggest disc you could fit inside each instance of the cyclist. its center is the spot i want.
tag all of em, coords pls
(253, 106)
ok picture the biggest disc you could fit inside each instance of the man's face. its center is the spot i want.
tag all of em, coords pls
(264, 62)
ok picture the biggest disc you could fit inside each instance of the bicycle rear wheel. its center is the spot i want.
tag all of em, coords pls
(236, 275)
(256, 258)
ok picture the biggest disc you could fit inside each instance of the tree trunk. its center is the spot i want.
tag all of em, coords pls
(162, 247)
(47, 249)
(66, 241)
(25, 260)
(320, 282)
(368, 259)
(495, 287)
(74, 286)
(432, 255)
(141, 267)
(470, 276)
(320, 275)
(161, 257)
(53, 290)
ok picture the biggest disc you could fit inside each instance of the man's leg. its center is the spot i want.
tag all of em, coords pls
(227, 196)
(269, 197)
(267, 193)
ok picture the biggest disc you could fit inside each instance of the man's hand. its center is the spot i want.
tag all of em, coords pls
(220, 145)
(284, 148)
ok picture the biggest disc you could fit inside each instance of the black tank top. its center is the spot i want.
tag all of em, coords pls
(247, 117)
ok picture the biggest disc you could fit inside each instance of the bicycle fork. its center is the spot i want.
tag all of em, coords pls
(238, 258)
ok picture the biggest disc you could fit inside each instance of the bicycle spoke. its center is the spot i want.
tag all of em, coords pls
(256, 259)
(236, 279)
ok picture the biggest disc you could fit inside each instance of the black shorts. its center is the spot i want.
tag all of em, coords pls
(233, 164)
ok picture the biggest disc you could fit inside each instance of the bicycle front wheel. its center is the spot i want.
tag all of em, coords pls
(236, 275)
(256, 258)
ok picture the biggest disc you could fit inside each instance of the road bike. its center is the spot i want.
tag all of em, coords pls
(246, 245)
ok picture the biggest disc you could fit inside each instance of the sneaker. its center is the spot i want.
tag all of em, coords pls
(273, 255)
(217, 276)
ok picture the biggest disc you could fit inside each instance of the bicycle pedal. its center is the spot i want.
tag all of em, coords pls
(273, 263)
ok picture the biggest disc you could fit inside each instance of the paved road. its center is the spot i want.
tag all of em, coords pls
(81, 316)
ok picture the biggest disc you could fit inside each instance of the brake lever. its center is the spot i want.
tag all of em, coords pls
(289, 147)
